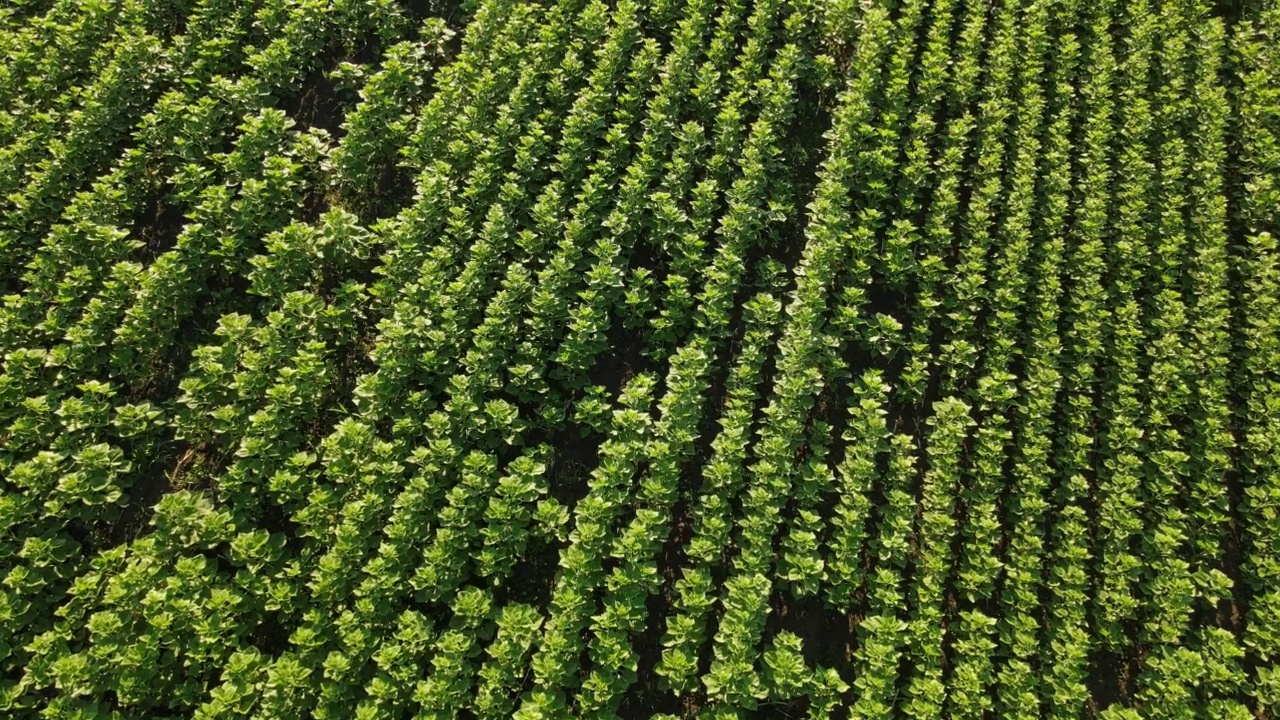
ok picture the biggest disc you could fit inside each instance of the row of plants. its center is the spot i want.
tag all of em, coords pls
(582, 358)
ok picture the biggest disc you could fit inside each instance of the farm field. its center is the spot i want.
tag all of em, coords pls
(716, 359)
